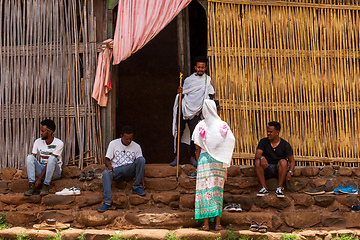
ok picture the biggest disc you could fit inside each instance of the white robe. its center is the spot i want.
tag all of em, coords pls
(195, 90)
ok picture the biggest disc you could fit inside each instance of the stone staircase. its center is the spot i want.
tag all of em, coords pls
(169, 204)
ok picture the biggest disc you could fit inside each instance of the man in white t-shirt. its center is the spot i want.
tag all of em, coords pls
(49, 166)
(123, 161)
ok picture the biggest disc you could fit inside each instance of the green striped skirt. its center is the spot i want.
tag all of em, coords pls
(209, 188)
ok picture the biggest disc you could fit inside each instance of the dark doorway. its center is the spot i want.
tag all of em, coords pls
(198, 31)
(146, 86)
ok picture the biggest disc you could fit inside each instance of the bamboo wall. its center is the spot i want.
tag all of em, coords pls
(47, 68)
(296, 62)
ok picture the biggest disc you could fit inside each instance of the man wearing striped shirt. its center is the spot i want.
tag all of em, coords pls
(50, 149)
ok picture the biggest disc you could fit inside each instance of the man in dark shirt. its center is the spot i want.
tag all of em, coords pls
(272, 157)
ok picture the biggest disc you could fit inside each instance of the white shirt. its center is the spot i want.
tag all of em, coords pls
(120, 155)
(54, 148)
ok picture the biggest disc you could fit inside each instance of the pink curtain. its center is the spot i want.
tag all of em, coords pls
(139, 21)
(102, 84)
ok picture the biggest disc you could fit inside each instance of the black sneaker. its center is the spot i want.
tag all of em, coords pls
(279, 192)
(230, 207)
(263, 192)
(44, 190)
(355, 208)
(238, 207)
(193, 174)
(31, 190)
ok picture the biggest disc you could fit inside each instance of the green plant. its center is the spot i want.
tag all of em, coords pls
(22, 236)
(117, 237)
(244, 237)
(172, 236)
(82, 236)
(288, 237)
(231, 235)
(57, 236)
(3, 223)
(346, 237)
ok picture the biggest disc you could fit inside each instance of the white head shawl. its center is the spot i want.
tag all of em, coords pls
(214, 135)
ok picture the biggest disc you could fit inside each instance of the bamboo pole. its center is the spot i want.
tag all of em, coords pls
(178, 131)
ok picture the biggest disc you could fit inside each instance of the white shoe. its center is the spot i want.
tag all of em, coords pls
(71, 191)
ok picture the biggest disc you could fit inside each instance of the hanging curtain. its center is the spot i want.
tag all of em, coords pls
(139, 21)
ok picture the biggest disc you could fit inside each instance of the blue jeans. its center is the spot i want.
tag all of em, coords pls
(123, 173)
(34, 168)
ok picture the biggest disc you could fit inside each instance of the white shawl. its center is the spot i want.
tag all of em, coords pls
(214, 135)
(195, 90)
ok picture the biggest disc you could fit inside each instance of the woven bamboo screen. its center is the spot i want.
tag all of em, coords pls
(47, 62)
(296, 62)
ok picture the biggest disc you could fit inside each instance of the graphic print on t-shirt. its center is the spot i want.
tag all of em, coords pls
(123, 157)
(45, 154)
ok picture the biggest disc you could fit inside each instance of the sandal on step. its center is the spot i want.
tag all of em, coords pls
(205, 228)
(263, 227)
(218, 227)
(89, 176)
(254, 227)
(82, 176)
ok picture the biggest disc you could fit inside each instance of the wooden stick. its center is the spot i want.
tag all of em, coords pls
(178, 131)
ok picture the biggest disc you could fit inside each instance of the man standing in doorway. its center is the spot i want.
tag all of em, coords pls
(50, 150)
(124, 161)
(273, 157)
(197, 87)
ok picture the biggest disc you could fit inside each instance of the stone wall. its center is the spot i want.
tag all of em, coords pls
(170, 203)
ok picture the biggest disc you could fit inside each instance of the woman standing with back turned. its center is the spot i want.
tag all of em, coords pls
(214, 147)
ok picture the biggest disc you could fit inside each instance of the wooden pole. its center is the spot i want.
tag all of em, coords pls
(178, 132)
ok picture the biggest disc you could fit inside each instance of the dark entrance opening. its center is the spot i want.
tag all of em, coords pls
(198, 31)
(146, 85)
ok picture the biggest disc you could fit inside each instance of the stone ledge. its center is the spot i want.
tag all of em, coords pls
(170, 219)
(167, 195)
(160, 234)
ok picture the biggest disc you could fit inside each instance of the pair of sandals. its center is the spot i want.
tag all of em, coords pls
(51, 224)
(255, 227)
(207, 228)
(86, 176)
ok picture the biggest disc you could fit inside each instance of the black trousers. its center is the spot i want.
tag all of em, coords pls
(191, 124)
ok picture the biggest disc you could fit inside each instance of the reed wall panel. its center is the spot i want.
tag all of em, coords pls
(296, 62)
(47, 69)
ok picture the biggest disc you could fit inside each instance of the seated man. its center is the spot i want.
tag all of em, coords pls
(50, 149)
(270, 160)
(123, 161)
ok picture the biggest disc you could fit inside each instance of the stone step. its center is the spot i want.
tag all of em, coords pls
(161, 234)
(284, 221)
(170, 203)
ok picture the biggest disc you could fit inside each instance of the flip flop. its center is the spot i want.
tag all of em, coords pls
(263, 227)
(82, 176)
(205, 228)
(51, 224)
(218, 227)
(89, 176)
(254, 227)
